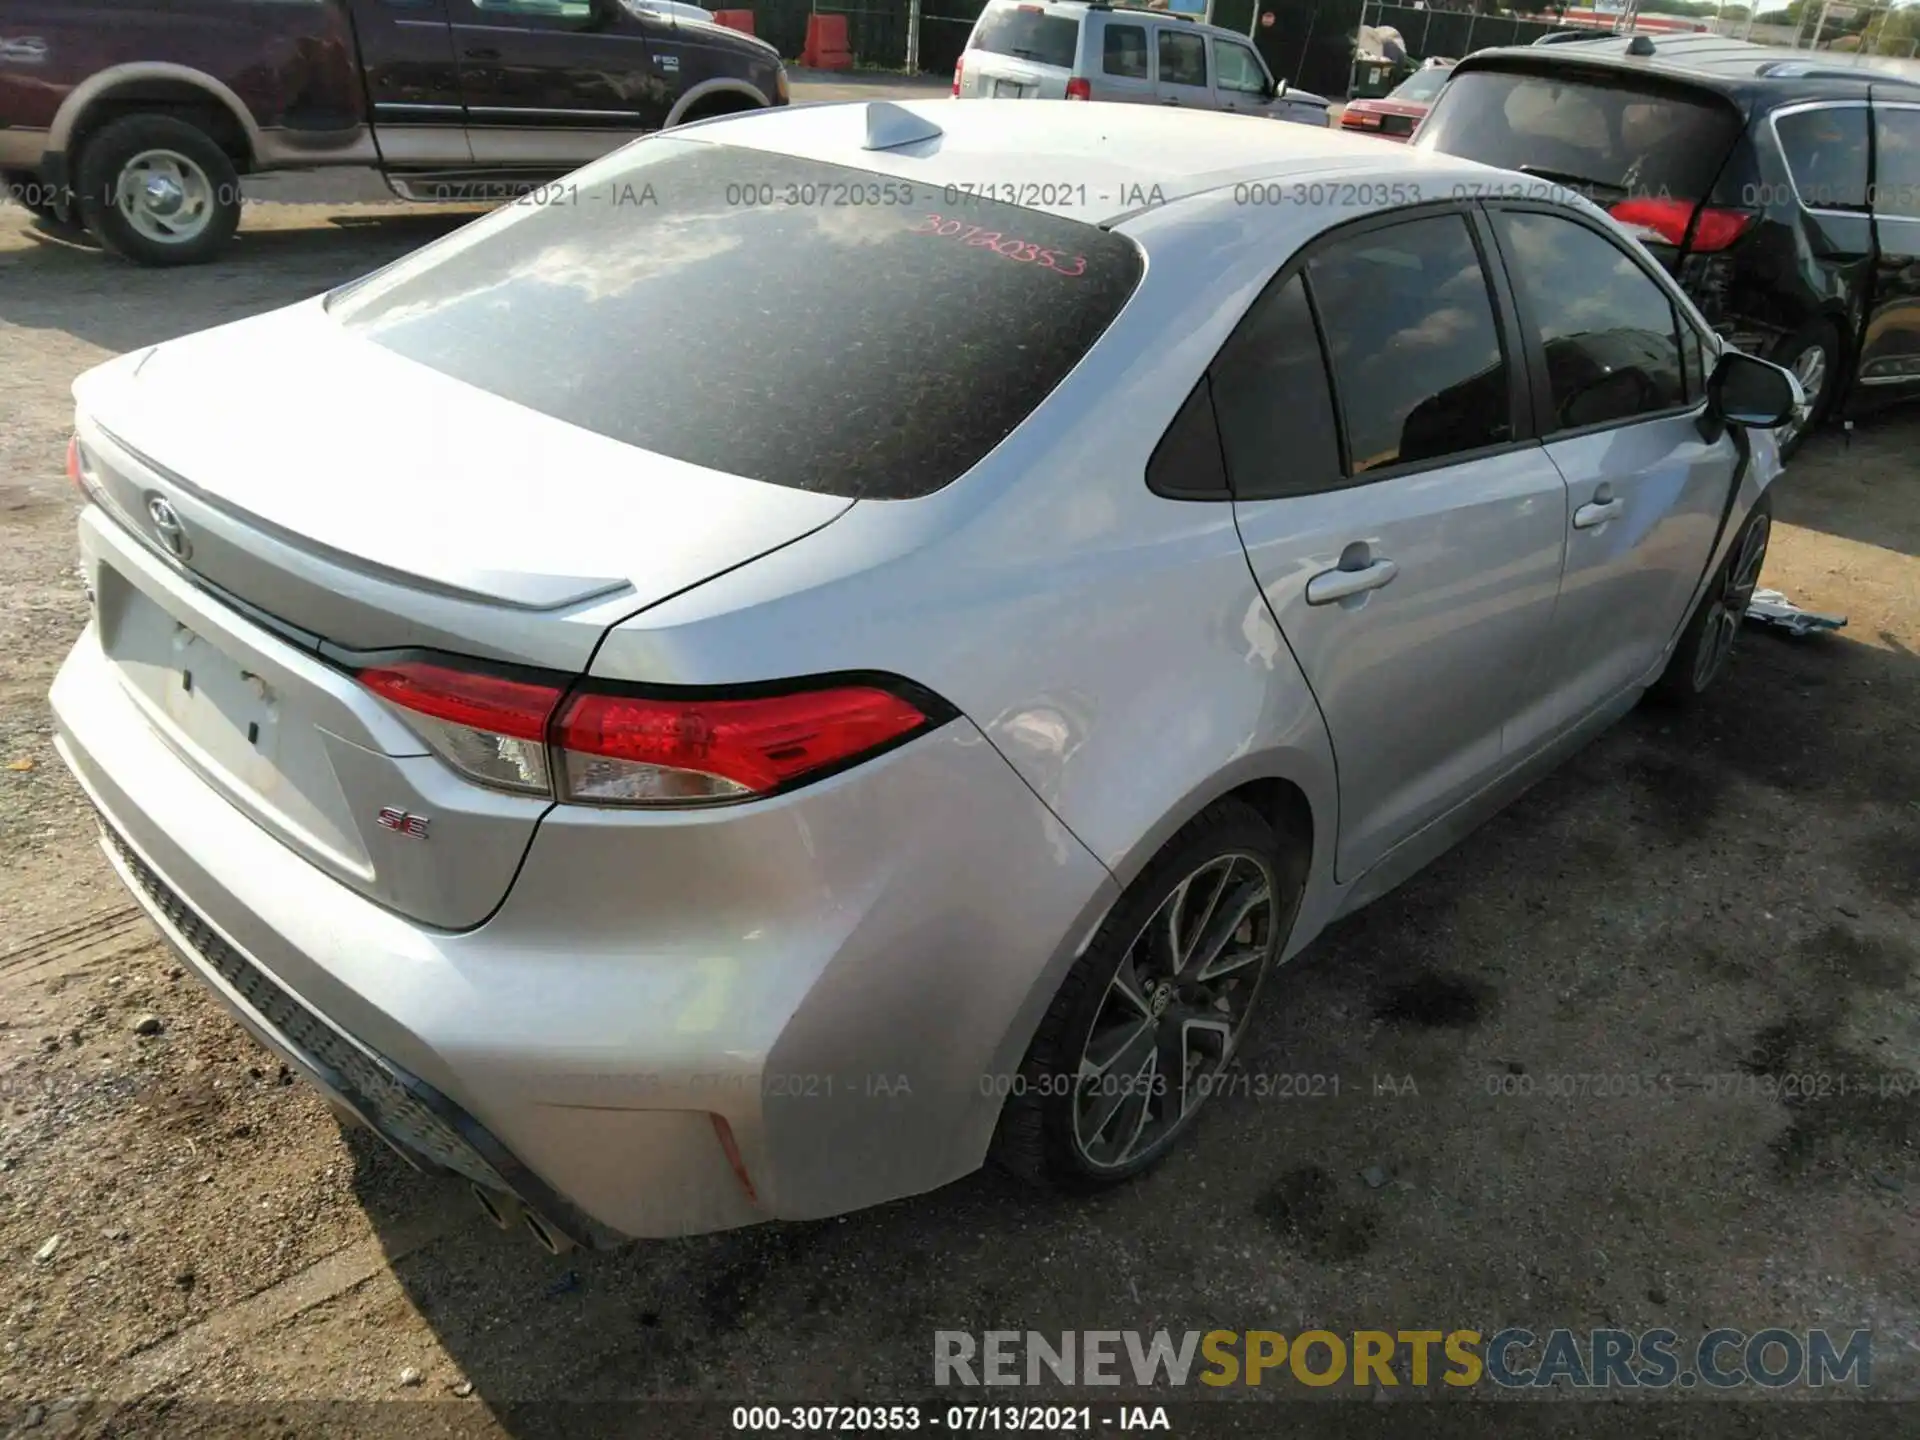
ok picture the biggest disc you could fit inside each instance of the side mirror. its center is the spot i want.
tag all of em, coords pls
(1745, 390)
(1279, 89)
(605, 14)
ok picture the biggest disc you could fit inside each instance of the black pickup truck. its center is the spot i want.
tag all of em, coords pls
(138, 117)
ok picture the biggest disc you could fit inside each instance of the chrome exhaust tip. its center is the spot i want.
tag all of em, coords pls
(549, 1239)
(502, 1210)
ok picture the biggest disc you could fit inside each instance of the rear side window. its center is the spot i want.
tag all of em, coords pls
(1123, 51)
(1827, 153)
(1417, 360)
(1610, 140)
(1271, 396)
(1896, 182)
(1607, 329)
(1183, 58)
(1028, 33)
(805, 324)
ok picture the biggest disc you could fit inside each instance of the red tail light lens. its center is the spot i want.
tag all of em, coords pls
(1665, 222)
(489, 728)
(631, 750)
(1079, 89)
(601, 747)
(959, 67)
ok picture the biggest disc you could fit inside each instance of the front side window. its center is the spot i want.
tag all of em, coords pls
(1826, 151)
(791, 321)
(1123, 51)
(1416, 353)
(1239, 68)
(1270, 395)
(1183, 58)
(1607, 329)
(1896, 180)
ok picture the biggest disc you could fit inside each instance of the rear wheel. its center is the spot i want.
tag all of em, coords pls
(157, 190)
(1813, 355)
(1145, 1023)
(1706, 645)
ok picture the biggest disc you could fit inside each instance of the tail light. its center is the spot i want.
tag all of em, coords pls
(1666, 222)
(603, 746)
(1079, 89)
(959, 68)
(1358, 119)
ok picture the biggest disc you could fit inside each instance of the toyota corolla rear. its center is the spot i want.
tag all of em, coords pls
(642, 958)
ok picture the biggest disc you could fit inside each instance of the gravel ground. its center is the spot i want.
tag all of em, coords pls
(1731, 894)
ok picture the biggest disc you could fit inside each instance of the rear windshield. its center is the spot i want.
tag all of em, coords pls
(1027, 32)
(805, 324)
(1610, 140)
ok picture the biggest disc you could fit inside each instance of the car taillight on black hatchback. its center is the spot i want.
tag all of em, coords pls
(620, 746)
(1666, 222)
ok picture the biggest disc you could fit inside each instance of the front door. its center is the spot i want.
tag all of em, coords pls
(1407, 537)
(1645, 489)
(1890, 345)
(413, 82)
(1240, 81)
(552, 84)
(1181, 67)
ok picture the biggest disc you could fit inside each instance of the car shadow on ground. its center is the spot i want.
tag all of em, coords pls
(1725, 891)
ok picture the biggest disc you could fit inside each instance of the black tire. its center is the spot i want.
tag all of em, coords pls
(1815, 347)
(1040, 1136)
(212, 211)
(27, 190)
(1707, 643)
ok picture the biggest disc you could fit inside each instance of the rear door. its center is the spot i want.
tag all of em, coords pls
(1890, 345)
(413, 81)
(1021, 52)
(1406, 534)
(1183, 76)
(550, 85)
(1619, 387)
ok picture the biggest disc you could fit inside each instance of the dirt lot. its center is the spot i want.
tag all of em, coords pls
(1733, 894)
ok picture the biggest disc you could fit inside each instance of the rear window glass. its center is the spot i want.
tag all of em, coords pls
(1124, 51)
(1420, 87)
(805, 324)
(1827, 150)
(1608, 140)
(1029, 34)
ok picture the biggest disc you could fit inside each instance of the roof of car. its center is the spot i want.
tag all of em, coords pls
(1718, 61)
(1120, 8)
(1094, 163)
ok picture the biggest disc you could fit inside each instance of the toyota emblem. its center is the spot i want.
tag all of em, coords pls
(168, 529)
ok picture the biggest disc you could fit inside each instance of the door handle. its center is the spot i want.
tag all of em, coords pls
(483, 54)
(1331, 585)
(1597, 513)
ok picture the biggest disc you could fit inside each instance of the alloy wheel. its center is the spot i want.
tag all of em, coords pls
(1810, 368)
(1174, 1011)
(1727, 610)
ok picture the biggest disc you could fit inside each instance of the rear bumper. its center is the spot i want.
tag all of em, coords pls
(839, 973)
(21, 149)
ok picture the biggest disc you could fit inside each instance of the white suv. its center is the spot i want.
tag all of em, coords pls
(1075, 50)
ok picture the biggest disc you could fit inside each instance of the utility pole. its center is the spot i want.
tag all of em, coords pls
(913, 37)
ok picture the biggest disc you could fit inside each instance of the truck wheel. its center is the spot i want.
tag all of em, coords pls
(156, 190)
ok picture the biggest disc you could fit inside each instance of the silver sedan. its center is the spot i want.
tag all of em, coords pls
(848, 642)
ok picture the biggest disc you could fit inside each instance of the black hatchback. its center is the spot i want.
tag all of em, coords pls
(1781, 189)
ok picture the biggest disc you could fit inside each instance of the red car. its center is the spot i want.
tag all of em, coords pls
(1395, 114)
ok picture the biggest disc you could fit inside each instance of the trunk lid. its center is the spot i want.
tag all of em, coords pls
(275, 494)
